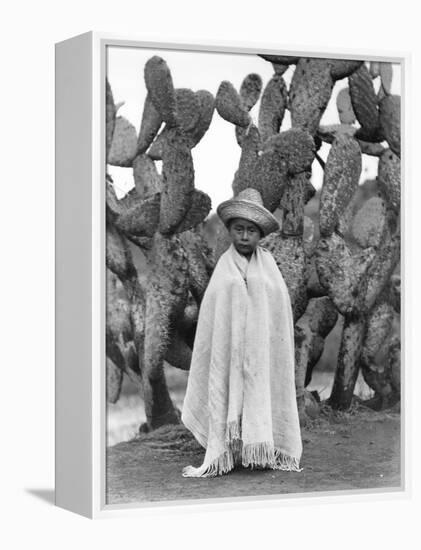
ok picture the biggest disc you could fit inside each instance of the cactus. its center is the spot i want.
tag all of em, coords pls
(353, 272)
(296, 147)
(344, 264)
(194, 112)
(292, 204)
(141, 219)
(156, 217)
(250, 90)
(389, 178)
(229, 105)
(384, 378)
(244, 176)
(364, 103)
(386, 74)
(310, 91)
(110, 114)
(114, 381)
(348, 362)
(206, 107)
(121, 350)
(310, 330)
(342, 273)
(151, 123)
(160, 86)
(187, 109)
(374, 69)
(272, 107)
(390, 121)
(280, 59)
(369, 223)
(371, 228)
(291, 260)
(344, 105)
(340, 68)
(178, 182)
(146, 178)
(341, 176)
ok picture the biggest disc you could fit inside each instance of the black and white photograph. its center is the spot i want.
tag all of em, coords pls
(210, 275)
(253, 275)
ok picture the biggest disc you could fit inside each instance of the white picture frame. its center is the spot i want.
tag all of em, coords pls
(80, 276)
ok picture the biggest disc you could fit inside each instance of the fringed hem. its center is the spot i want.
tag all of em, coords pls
(221, 465)
(255, 455)
(260, 455)
(264, 455)
(286, 462)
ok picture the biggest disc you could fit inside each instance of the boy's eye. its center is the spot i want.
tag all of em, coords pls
(250, 230)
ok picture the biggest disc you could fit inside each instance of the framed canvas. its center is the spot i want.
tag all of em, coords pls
(229, 321)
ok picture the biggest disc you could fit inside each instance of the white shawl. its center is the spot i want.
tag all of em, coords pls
(240, 401)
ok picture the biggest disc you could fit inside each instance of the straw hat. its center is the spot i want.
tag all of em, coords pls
(248, 204)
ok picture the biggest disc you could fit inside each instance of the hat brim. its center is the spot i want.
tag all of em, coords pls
(251, 211)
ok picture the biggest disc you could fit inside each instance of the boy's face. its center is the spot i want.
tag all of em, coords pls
(245, 235)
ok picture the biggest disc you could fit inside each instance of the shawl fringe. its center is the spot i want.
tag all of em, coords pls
(261, 455)
(221, 465)
(286, 462)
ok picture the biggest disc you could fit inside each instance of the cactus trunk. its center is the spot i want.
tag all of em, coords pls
(348, 363)
(159, 408)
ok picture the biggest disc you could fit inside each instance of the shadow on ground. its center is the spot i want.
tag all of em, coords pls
(47, 495)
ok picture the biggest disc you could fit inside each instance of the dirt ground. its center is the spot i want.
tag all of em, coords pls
(341, 451)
